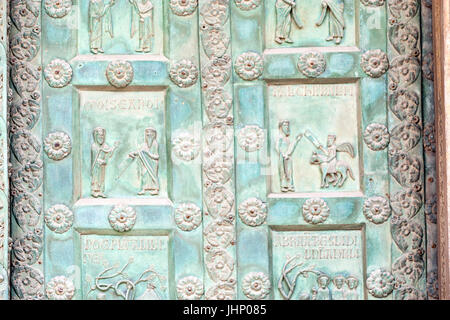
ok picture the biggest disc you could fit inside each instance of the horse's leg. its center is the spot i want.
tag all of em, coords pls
(343, 178)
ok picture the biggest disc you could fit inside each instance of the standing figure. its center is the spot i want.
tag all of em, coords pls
(100, 154)
(323, 292)
(352, 284)
(148, 161)
(99, 20)
(338, 292)
(285, 149)
(286, 11)
(336, 20)
(142, 14)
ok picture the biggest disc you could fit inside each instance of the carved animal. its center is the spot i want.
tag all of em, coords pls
(343, 171)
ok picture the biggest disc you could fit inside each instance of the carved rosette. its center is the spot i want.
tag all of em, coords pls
(251, 138)
(183, 7)
(57, 145)
(185, 146)
(249, 66)
(218, 145)
(119, 73)
(60, 288)
(122, 218)
(377, 210)
(189, 288)
(247, 5)
(256, 285)
(380, 283)
(376, 136)
(58, 73)
(312, 64)
(188, 216)
(59, 218)
(375, 63)
(184, 73)
(315, 211)
(253, 212)
(57, 8)
(405, 149)
(26, 167)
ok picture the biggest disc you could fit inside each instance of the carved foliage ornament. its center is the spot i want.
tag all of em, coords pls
(184, 73)
(183, 7)
(122, 218)
(27, 282)
(189, 288)
(57, 145)
(58, 73)
(256, 285)
(119, 73)
(249, 66)
(373, 3)
(247, 4)
(375, 63)
(312, 64)
(57, 8)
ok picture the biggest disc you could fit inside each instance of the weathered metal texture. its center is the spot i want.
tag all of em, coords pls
(429, 143)
(4, 185)
(27, 270)
(408, 225)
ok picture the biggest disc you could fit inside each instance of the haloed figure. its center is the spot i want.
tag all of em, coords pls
(285, 149)
(142, 21)
(286, 12)
(148, 161)
(100, 155)
(99, 21)
(335, 10)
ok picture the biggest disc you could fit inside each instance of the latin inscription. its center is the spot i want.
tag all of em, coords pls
(124, 104)
(317, 90)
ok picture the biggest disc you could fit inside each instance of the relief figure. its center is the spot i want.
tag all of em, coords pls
(322, 292)
(100, 20)
(100, 155)
(142, 22)
(339, 291)
(285, 148)
(352, 285)
(286, 12)
(333, 171)
(336, 21)
(148, 162)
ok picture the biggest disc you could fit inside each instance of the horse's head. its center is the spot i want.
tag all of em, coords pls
(315, 159)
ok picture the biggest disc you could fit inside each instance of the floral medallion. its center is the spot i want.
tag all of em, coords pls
(122, 218)
(189, 288)
(375, 63)
(251, 138)
(27, 282)
(373, 3)
(57, 8)
(219, 233)
(185, 147)
(215, 40)
(376, 136)
(217, 72)
(223, 291)
(57, 145)
(405, 136)
(404, 103)
(249, 66)
(377, 210)
(315, 211)
(25, 45)
(26, 209)
(218, 104)
(183, 7)
(256, 285)
(406, 203)
(60, 288)
(253, 212)
(184, 73)
(59, 218)
(219, 264)
(58, 73)
(28, 248)
(119, 73)
(380, 283)
(188, 216)
(312, 64)
(215, 12)
(247, 4)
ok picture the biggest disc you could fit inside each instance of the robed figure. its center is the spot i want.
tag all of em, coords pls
(286, 12)
(285, 148)
(148, 161)
(142, 22)
(335, 10)
(100, 21)
(100, 155)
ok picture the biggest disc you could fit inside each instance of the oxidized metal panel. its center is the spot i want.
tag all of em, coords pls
(218, 149)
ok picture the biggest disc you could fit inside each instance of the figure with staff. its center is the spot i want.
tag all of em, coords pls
(100, 20)
(148, 161)
(286, 12)
(100, 155)
(285, 149)
(336, 22)
(142, 21)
